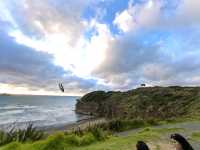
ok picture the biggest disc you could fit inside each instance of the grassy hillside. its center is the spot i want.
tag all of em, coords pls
(142, 103)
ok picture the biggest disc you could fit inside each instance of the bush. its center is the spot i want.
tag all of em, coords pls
(77, 140)
(153, 122)
(5, 137)
(21, 135)
(78, 131)
(55, 142)
(29, 134)
(98, 133)
(122, 125)
(87, 139)
(116, 125)
(133, 124)
(73, 139)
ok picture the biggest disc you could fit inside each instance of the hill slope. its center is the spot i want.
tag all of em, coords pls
(148, 102)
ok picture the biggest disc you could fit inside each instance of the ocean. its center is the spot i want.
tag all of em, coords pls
(42, 111)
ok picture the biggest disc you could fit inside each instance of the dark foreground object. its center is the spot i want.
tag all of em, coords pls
(142, 146)
(184, 144)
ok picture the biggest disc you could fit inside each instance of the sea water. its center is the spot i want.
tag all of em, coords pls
(40, 110)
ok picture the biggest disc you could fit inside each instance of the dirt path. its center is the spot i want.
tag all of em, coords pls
(164, 143)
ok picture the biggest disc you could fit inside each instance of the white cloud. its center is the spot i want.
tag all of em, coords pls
(124, 21)
(138, 15)
(131, 60)
(23, 68)
(156, 14)
(42, 18)
(188, 12)
(60, 32)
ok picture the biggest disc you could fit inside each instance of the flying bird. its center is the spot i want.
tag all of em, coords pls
(182, 143)
(61, 87)
(142, 146)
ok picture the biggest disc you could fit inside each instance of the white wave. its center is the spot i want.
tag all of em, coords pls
(17, 107)
(11, 112)
(40, 115)
(47, 115)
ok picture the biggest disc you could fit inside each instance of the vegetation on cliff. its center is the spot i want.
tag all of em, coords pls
(142, 103)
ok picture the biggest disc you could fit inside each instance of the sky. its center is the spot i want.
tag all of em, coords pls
(97, 45)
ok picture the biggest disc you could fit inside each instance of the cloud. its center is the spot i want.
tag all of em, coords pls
(124, 59)
(188, 11)
(125, 53)
(128, 63)
(58, 28)
(158, 14)
(156, 42)
(154, 47)
(38, 18)
(138, 15)
(23, 66)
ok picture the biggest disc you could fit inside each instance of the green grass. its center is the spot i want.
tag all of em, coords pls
(88, 141)
(196, 136)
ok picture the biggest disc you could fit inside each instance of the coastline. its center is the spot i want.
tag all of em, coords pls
(81, 124)
(50, 129)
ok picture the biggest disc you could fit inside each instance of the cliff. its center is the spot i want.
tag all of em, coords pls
(146, 102)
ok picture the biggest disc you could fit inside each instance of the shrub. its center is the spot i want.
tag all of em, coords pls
(153, 122)
(72, 139)
(21, 135)
(5, 137)
(121, 125)
(55, 142)
(116, 125)
(136, 124)
(87, 139)
(77, 140)
(78, 131)
(98, 133)
(29, 134)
